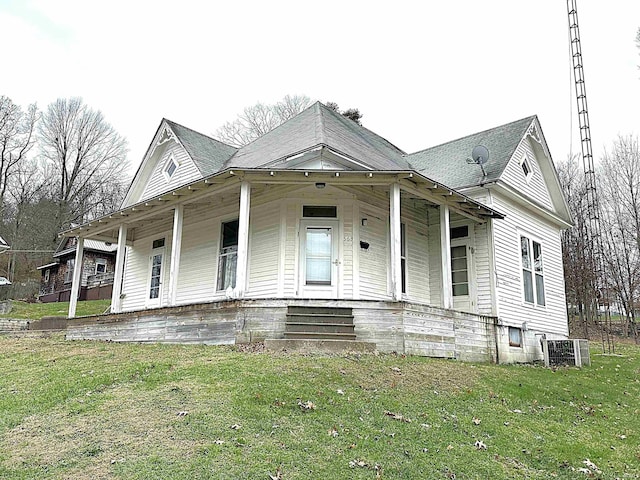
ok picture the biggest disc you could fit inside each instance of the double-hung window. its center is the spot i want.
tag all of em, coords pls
(532, 271)
(228, 257)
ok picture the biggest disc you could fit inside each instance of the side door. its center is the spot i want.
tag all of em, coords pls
(156, 270)
(462, 268)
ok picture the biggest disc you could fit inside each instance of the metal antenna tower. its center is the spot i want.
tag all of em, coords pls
(593, 230)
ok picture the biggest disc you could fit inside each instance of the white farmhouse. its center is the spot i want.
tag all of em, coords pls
(323, 230)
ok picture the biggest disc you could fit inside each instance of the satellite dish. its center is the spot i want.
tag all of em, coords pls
(480, 154)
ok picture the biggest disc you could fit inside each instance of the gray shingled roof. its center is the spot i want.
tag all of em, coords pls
(208, 153)
(320, 126)
(447, 163)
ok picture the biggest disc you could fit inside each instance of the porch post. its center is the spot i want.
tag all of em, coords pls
(445, 246)
(394, 230)
(243, 239)
(77, 277)
(116, 302)
(176, 247)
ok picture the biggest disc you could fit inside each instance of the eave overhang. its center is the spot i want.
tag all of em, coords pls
(105, 228)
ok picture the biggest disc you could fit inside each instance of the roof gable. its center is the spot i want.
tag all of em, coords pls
(507, 145)
(312, 129)
(196, 156)
(447, 163)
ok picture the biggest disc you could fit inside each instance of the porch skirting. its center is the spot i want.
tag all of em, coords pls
(401, 327)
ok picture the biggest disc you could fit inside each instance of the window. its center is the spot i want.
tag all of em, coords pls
(532, 271)
(403, 257)
(314, 211)
(170, 167)
(459, 232)
(101, 266)
(228, 257)
(156, 268)
(68, 275)
(526, 167)
(318, 255)
(46, 276)
(515, 337)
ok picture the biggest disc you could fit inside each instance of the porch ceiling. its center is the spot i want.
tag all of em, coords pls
(199, 194)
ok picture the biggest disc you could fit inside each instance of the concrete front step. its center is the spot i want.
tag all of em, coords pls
(318, 346)
(295, 327)
(319, 336)
(306, 310)
(320, 318)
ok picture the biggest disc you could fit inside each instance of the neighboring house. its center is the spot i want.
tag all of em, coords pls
(321, 220)
(98, 263)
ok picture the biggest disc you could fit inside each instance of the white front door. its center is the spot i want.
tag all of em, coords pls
(319, 262)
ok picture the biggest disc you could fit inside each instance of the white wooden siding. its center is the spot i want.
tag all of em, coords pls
(415, 217)
(136, 278)
(292, 219)
(481, 256)
(512, 308)
(513, 176)
(435, 256)
(185, 173)
(346, 265)
(374, 261)
(264, 249)
(198, 262)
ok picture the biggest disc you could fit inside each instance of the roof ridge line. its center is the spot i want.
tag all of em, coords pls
(530, 117)
(323, 138)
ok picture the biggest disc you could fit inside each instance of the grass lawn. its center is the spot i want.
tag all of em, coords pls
(106, 410)
(36, 311)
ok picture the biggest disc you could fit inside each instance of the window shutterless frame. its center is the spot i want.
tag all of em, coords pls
(532, 271)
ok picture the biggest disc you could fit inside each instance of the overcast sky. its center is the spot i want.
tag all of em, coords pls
(422, 73)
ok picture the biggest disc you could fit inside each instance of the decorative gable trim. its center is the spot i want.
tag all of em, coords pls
(164, 135)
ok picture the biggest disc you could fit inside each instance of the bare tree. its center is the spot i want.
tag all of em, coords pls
(621, 217)
(259, 119)
(86, 155)
(16, 139)
(578, 272)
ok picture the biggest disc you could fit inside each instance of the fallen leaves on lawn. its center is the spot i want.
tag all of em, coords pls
(476, 421)
(277, 476)
(397, 416)
(306, 406)
(480, 445)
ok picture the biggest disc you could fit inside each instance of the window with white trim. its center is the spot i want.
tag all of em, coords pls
(403, 256)
(525, 164)
(101, 266)
(228, 257)
(46, 275)
(532, 271)
(68, 275)
(170, 167)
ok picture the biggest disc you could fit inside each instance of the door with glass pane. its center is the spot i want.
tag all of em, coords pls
(461, 276)
(155, 273)
(319, 264)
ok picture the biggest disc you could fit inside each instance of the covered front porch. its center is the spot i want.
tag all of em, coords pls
(288, 234)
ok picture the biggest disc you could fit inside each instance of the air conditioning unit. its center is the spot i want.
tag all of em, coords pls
(573, 352)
